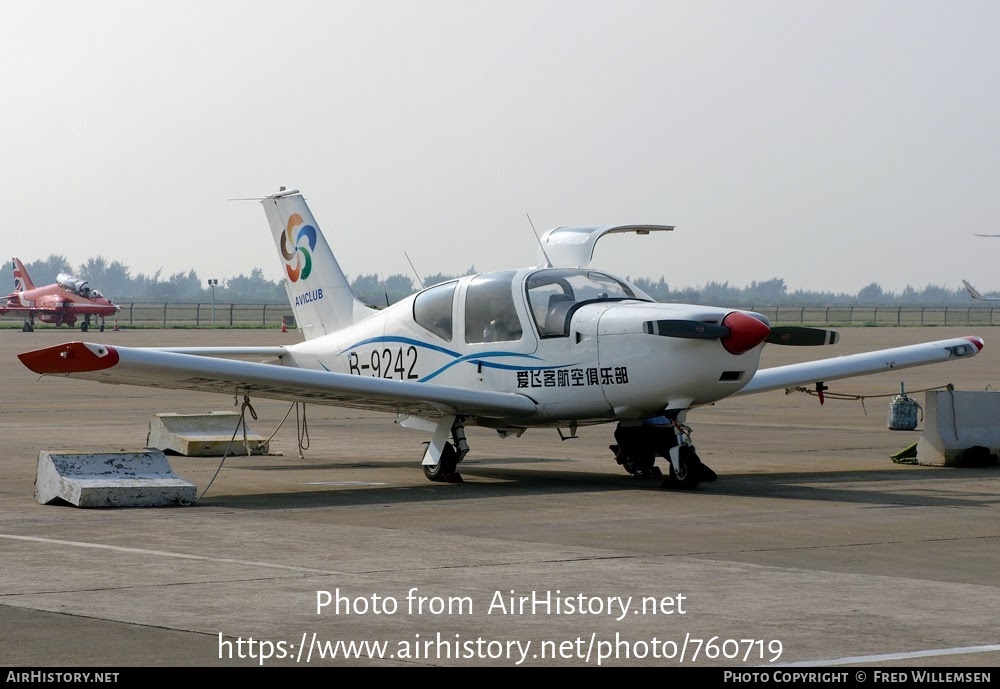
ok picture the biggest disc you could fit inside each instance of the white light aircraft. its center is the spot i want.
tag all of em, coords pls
(973, 292)
(558, 346)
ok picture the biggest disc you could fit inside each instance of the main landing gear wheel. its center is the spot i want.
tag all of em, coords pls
(690, 472)
(84, 326)
(28, 328)
(639, 470)
(622, 458)
(446, 467)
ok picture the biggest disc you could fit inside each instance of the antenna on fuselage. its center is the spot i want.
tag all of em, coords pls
(419, 281)
(548, 261)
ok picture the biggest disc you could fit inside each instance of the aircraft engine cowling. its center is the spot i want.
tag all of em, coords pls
(676, 354)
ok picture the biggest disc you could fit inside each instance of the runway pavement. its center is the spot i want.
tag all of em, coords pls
(812, 548)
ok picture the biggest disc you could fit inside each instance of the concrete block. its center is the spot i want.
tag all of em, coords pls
(203, 435)
(126, 479)
(961, 428)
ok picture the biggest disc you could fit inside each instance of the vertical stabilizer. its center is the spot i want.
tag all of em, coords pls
(21, 280)
(317, 288)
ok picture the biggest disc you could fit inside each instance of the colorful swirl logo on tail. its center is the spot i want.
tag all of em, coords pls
(301, 254)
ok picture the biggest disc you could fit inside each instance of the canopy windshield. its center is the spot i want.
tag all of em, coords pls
(553, 294)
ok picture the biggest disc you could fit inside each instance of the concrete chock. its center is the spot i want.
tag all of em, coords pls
(961, 428)
(126, 479)
(203, 435)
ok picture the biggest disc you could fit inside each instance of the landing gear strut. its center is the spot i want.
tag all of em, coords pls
(445, 468)
(85, 325)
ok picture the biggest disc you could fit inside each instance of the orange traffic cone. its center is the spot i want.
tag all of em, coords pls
(116, 323)
(284, 328)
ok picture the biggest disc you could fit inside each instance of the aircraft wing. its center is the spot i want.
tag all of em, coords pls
(25, 310)
(62, 308)
(225, 352)
(866, 363)
(184, 371)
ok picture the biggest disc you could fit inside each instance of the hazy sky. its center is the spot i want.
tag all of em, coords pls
(831, 144)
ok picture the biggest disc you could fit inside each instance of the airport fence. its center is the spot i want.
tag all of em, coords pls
(185, 314)
(880, 315)
(271, 315)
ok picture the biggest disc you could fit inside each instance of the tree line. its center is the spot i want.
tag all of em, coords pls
(115, 280)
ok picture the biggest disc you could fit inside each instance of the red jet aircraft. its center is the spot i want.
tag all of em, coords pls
(61, 302)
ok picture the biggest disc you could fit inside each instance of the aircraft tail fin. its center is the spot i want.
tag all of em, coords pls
(974, 293)
(21, 280)
(317, 288)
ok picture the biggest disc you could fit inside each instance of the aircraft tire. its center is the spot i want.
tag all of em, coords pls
(622, 458)
(28, 328)
(690, 474)
(83, 327)
(640, 470)
(445, 466)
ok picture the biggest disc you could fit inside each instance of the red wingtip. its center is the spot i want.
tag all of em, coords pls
(71, 357)
(976, 340)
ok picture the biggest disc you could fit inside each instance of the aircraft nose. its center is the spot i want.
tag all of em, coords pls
(745, 332)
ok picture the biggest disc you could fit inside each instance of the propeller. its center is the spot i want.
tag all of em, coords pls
(801, 336)
(740, 332)
(692, 330)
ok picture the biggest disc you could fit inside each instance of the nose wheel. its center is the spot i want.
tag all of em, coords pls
(686, 470)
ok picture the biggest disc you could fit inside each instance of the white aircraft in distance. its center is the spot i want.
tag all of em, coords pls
(558, 346)
(973, 292)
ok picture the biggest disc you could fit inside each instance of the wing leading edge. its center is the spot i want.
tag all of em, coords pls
(25, 310)
(181, 371)
(863, 364)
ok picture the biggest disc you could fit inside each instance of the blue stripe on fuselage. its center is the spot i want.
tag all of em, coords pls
(478, 358)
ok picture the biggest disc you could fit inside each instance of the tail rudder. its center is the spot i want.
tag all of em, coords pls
(21, 280)
(317, 288)
(973, 292)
